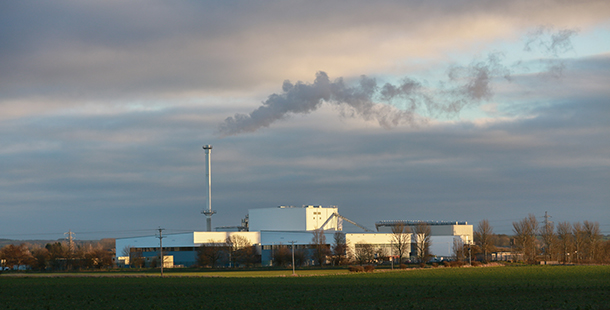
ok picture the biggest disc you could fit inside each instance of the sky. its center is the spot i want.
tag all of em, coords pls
(413, 110)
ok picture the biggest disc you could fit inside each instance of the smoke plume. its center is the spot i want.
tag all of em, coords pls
(407, 102)
(551, 44)
(370, 101)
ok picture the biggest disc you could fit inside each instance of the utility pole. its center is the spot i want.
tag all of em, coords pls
(392, 252)
(469, 251)
(161, 248)
(293, 271)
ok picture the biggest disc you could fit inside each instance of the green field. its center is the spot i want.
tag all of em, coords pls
(524, 287)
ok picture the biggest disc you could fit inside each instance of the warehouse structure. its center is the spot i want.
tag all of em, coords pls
(268, 229)
(443, 233)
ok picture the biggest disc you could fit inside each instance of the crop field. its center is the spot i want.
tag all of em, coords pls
(523, 287)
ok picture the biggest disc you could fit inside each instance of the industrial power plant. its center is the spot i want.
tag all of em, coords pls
(268, 229)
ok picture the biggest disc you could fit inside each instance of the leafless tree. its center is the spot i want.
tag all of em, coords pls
(95, 257)
(320, 249)
(525, 237)
(579, 235)
(565, 241)
(41, 258)
(300, 256)
(136, 258)
(605, 252)
(401, 240)
(240, 250)
(592, 240)
(340, 249)
(423, 233)
(211, 253)
(365, 253)
(484, 238)
(16, 255)
(459, 250)
(282, 255)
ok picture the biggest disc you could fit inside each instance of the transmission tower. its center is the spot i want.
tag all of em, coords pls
(70, 241)
(546, 221)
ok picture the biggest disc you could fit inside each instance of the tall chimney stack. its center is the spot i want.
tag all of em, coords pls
(208, 211)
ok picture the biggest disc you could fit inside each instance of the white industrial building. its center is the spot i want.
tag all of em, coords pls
(288, 218)
(269, 228)
(437, 228)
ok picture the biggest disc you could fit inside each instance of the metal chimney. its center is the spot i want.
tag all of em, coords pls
(208, 211)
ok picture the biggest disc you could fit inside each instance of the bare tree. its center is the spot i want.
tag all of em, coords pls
(125, 251)
(579, 235)
(136, 258)
(282, 255)
(525, 237)
(605, 252)
(321, 249)
(565, 241)
(459, 250)
(41, 258)
(240, 250)
(300, 256)
(484, 238)
(365, 253)
(401, 240)
(423, 233)
(592, 240)
(210, 253)
(97, 257)
(16, 255)
(339, 249)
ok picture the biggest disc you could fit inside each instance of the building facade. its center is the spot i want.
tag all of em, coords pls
(271, 229)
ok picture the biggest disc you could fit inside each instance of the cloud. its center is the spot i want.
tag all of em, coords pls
(74, 52)
(104, 106)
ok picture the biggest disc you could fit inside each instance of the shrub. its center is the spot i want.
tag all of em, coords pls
(422, 265)
(403, 266)
(356, 269)
(476, 264)
(434, 265)
(455, 264)
(369, 268)
(446, 264)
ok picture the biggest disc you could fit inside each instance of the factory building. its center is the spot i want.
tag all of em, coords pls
(437, 228)
(443, 234)
(269, 229)
(182, 247)
(289, 218)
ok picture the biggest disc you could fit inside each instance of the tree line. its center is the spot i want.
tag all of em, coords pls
(565, 243)
(235, 251)
(58, 256)
(534, 241)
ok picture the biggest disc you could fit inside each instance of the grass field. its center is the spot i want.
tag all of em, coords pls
(524, 287)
